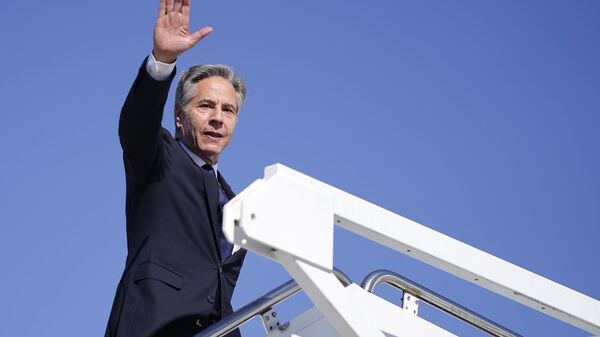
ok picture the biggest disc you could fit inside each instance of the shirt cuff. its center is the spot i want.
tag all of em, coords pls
(158, 70)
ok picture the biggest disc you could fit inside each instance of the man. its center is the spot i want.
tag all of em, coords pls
(180, 271)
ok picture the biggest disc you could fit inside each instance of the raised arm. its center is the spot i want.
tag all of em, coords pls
(141, 115)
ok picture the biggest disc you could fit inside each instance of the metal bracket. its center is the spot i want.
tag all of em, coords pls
(269, 320)
(410, 303)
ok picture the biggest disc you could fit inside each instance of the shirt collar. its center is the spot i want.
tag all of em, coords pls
(197, 160)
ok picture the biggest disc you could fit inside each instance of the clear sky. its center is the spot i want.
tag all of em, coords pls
(479, 119)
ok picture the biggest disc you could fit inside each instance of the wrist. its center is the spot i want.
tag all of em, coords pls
(163, 57)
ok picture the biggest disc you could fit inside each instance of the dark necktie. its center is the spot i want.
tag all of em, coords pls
(225, 247)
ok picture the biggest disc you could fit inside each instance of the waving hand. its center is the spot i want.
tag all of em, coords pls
(172, 30)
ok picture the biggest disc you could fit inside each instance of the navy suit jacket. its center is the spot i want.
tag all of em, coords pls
(174, 283)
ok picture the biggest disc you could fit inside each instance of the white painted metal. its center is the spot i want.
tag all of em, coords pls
(269, 320)
(275, 224)
(288, 216)
(327, 293)
(410, 303)
(389, 318)
(308, 324)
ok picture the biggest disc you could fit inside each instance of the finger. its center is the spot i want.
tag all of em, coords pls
(169, 6)
(178, 6)
(185, 7)
(162, 8)
(200, 34)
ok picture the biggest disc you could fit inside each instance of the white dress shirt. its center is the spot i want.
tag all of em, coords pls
(197, 160)
(158, 70)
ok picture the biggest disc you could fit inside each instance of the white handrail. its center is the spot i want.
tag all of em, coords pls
(288, 216)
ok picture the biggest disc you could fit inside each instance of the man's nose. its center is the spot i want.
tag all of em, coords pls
(217, 116)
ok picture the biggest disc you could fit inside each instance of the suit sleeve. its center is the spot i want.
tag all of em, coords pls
(140, 126)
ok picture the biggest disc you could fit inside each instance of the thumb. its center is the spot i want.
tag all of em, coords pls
(200, 34)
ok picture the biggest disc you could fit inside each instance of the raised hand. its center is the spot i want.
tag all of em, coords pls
(172, 30)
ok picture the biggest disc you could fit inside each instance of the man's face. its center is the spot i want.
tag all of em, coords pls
(206, 124)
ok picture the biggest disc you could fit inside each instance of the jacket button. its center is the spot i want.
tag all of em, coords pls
(220, 269)
(210, 299)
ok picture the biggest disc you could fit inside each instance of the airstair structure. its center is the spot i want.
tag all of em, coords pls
(289, 217)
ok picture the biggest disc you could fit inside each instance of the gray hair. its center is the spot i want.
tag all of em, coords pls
(185, 88)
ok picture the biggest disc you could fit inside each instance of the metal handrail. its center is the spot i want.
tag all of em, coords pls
(436, 300)
(259, 306)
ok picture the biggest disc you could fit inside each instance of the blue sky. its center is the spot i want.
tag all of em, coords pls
(478, 119)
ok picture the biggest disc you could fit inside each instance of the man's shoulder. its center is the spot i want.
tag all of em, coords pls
(173, 153)
(167, 136)
(170, 144)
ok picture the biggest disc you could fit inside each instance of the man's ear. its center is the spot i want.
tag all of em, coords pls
(178, 116)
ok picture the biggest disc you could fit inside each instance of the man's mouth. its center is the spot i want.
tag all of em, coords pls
(213, 134)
